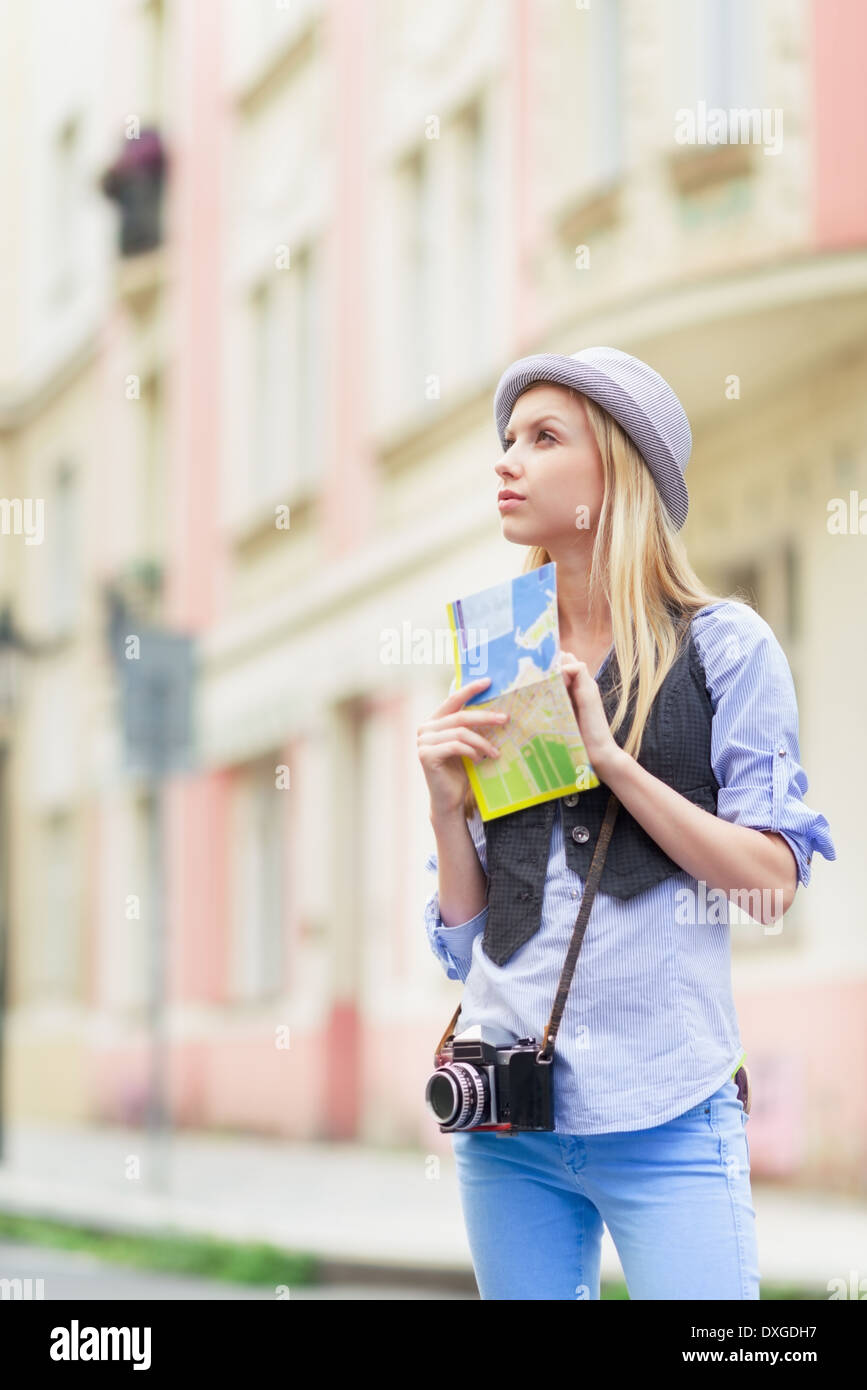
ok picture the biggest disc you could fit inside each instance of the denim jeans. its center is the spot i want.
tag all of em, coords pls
(676, 1199)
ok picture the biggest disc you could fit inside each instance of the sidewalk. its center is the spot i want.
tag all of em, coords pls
(355, 1207)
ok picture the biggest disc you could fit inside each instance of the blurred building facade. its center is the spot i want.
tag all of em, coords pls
(263, 412)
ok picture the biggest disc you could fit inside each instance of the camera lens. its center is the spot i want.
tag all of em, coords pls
(457, 1095)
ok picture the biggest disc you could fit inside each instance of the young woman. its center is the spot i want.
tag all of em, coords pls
(700, 746)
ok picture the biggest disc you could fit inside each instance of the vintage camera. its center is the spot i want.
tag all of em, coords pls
(485, 1078)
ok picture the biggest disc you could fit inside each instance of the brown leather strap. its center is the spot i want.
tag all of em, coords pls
(448, 1033)
(545, 1053)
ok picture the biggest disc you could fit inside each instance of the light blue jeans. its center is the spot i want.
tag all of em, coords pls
(676, 1199)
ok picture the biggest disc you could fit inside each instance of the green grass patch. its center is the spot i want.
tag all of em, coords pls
(767, 1291)
(170, 1252)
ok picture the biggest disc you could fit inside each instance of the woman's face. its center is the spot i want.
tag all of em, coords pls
(553, 464)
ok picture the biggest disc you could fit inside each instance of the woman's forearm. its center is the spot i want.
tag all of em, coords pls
(463, 883)
(730, 857)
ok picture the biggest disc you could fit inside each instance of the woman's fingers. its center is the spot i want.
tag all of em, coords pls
(464, 692)
(452, 714)
(452, 727)
(458, 698)
(466, 718)
(570, 668)
(453, 749)
(429, 736)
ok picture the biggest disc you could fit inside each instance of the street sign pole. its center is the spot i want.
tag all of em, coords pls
(158, 1107)
(156, 679)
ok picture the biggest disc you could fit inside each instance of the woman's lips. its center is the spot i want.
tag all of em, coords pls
(506, 504)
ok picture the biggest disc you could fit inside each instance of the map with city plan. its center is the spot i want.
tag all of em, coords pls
(510, 632)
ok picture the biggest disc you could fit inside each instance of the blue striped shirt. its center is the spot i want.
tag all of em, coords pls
(650, 1028)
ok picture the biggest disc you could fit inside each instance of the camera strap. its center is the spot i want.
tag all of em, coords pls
(545, 1053)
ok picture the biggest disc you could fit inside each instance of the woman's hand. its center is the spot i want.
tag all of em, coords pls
(449, 735)
(602, 748)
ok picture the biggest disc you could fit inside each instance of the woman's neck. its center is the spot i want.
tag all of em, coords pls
(573, 603)
(573, 623)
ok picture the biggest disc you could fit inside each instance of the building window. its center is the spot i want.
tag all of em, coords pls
(153, 501)
(151, 54)
(772, 584)
(416, 329)
(287, 380)
(307, 381)
(603, 149)
(55, 942)
(724, 58)
(65, 549)
(743, 581)
(711, 53)
(579, 104)
(64, 230)
(258, 956)
(271, 374)
(474, 236)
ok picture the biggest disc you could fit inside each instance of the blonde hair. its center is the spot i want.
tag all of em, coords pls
(639, 565)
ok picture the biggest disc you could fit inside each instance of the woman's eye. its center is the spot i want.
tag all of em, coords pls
(509, 442)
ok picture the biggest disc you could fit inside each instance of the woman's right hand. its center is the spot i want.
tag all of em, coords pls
(450, 734)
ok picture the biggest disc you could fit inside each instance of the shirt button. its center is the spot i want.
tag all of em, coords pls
(571, 800)
(580, 833)
(574, 894)
(782, 752)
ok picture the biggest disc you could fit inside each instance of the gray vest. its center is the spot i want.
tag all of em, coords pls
(675, 748)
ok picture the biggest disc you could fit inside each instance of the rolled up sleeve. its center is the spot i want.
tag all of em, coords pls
(755, 750)
(453, 946)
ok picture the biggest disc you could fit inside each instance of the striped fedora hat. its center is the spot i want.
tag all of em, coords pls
(636, 396)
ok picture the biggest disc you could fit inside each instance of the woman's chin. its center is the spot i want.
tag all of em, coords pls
(519, 532)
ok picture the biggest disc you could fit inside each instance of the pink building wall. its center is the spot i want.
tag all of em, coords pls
(807, 1054)
(839, 45)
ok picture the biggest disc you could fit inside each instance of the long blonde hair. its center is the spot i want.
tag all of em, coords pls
(639, 565)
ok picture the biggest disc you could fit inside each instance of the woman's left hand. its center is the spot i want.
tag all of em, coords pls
(601, 746)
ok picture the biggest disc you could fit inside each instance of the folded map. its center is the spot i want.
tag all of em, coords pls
(510, 632)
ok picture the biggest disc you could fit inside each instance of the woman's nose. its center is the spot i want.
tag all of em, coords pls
(506, 472)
